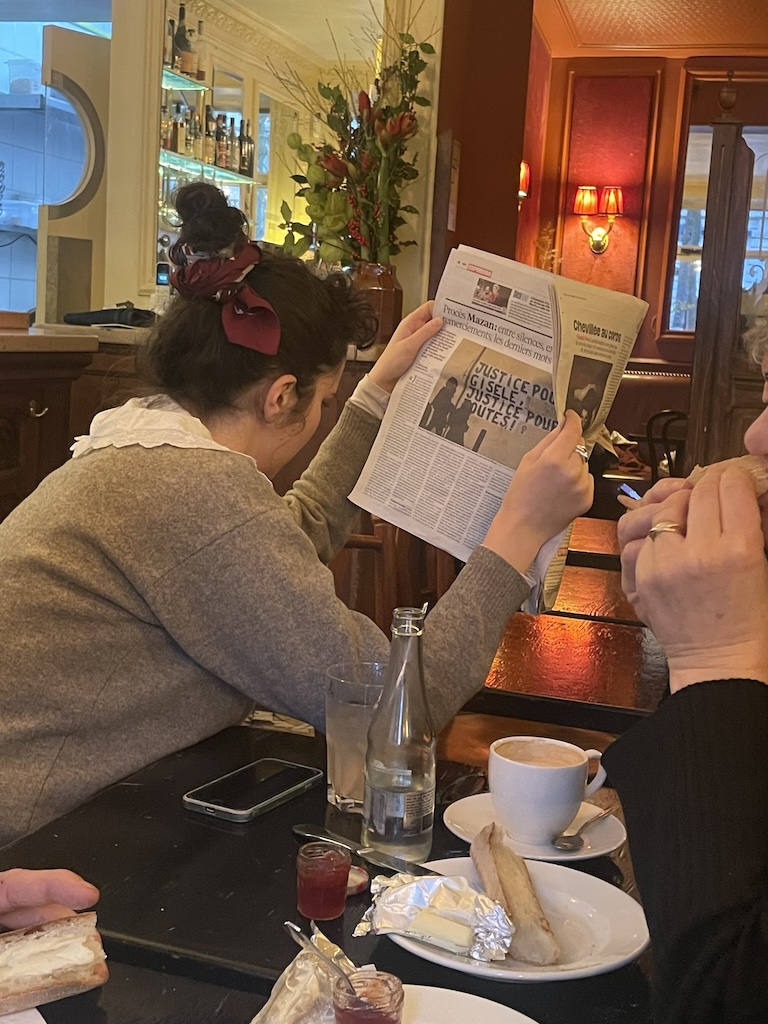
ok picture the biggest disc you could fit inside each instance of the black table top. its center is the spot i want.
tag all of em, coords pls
(204, 901)
(136, 995)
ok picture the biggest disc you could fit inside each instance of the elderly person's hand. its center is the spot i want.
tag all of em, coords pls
(413, 332)
(634, 525)
(32, 897)
(703, 589)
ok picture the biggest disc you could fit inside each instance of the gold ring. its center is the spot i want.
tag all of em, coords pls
(666, 527)
(581, 451)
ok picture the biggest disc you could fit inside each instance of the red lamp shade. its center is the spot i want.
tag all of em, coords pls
(525, 179)
(612, 201)
(585, 203)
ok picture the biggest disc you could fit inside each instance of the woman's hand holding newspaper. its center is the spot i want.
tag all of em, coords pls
(551, 487)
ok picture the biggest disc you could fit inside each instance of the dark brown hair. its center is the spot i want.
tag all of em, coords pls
(188, 355)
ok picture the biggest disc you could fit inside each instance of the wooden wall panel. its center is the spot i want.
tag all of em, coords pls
(483, 82)
(609, 140)
(529, 242)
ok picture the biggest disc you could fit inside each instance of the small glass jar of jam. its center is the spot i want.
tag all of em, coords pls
(377, 998)
(322, 870)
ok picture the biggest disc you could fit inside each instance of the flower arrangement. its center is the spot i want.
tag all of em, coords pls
(353, 183)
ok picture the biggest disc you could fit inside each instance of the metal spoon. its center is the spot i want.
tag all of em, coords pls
(301, 939)
(573, 840)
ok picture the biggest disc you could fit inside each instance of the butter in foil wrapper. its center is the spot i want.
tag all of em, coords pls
(303, 994)
(442, 910)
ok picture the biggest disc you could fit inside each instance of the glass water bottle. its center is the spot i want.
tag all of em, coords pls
(399, 802)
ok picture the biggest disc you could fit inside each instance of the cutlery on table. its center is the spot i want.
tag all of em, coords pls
(381, 860)
(302, 940)
(573, 840)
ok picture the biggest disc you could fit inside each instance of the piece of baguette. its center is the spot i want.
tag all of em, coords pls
(50, 961)
(505, 879)
(755, 465)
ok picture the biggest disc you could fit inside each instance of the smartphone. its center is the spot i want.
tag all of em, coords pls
(250, 791)
(163, 274)
(629, 491)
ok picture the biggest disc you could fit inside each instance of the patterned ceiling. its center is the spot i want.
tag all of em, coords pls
(670, 27)
(322, 27)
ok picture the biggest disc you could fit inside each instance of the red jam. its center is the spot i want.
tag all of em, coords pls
(321, 881)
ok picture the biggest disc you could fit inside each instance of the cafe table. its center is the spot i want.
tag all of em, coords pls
(192, 908)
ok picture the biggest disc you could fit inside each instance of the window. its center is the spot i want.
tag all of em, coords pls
(690, 235)
(42, 152)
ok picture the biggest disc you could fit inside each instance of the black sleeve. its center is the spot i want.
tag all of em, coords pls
(693, 781)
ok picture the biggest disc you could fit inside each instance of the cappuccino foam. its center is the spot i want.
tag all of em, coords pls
(537, 752)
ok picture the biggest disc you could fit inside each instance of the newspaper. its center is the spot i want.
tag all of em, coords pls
(519, 346)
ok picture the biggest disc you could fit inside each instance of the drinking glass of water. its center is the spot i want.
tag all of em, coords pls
(351, 694)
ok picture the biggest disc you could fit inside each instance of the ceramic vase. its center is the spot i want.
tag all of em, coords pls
(384, 294)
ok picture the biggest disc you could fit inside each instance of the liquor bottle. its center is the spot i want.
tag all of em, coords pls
(189, 134)
(168, 44)
(189, 57)
(203, 55)
(178, 132)
(399, 800)
(175, 57)
(166, 124)
(234, 147)
(199, 138)
(251, 150)
(209, 146)
(182, 43)
(243, 139)
(222, 142)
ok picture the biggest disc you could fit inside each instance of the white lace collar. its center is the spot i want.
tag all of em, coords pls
(148, 422)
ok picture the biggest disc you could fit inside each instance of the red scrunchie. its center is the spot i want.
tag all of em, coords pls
(247, 318)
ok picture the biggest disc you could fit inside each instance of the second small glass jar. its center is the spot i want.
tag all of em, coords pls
(322, 871)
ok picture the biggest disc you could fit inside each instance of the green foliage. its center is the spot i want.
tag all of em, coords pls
(351, 188)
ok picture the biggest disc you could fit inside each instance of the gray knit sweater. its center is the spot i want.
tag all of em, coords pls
(151, 597)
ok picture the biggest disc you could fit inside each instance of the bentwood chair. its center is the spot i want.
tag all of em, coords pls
(665, 434)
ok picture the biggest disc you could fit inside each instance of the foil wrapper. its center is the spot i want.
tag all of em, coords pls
(399, 904)
(303, 994)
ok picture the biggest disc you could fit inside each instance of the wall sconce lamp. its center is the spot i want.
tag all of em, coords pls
(611, 205)
(525, 182)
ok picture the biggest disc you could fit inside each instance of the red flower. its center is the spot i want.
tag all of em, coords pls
(333, 164)
(363, 104)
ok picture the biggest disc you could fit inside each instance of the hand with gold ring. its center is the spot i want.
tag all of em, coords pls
(666, 526)
(582, 451)
(644, 521)
(705, 594)
(550, 488)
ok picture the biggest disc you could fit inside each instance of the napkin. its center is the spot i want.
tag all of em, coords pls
(22, 1017)
(303, 994)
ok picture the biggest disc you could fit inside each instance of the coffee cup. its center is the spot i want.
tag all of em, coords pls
(537, 785)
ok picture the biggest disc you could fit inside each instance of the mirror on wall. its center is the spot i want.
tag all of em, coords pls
(228, 93)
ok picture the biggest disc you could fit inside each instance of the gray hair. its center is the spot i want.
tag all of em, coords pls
(755, 338)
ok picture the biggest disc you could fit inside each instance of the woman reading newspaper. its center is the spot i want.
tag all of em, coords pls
(156, 588)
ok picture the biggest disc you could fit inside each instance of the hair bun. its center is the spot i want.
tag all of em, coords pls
(209, 223)
(199, 198)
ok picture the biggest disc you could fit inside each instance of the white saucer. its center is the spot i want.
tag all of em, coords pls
(467, 817)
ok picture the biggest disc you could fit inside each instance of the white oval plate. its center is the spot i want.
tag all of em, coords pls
(598, 926)
(425, 1005)
(467, 817)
